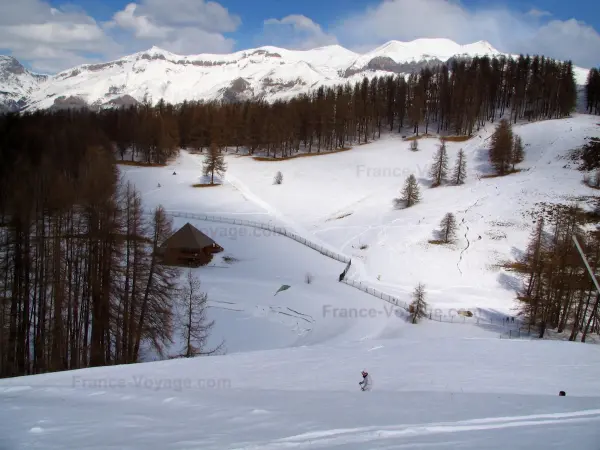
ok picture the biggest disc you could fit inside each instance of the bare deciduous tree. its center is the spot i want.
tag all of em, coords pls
(195, 326)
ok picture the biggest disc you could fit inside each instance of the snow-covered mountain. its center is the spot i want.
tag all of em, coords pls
(17, 84)
(267, 72)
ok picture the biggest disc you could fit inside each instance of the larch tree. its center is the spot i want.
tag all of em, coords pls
(410, 193)
(214, 162)
(448, 228)
(439, 168)
(418, 307)
(501, 149)
(278, 178)
(195, 326)
(459, 173)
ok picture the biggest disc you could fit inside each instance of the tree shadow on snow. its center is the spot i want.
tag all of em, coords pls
(482, 162)
(510, 282)
(517, 253)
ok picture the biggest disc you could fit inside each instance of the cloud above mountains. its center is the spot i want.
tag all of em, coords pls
(52, 39)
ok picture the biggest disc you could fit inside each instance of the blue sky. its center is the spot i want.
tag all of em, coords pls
(51, 35)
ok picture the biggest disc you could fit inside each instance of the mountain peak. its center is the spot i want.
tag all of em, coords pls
(267, 72)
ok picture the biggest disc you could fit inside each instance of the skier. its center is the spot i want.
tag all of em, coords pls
(366, 383)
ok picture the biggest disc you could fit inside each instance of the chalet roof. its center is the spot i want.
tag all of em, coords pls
(189, 237)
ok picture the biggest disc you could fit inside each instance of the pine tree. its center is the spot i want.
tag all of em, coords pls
(439, 168)
(414, 145)
(502, 147)
(410, 193)
(448, 228)
(214, 162)
(278, 178)
(460, 169)
(418, 307)
(518, 152)
(195, 327)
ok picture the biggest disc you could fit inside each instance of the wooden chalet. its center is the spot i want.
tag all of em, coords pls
(188, 247)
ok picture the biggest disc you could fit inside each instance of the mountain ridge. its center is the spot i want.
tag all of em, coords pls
(268, 72)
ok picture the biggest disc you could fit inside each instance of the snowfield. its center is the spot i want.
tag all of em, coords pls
(344, 201)
(289, 380)
(432, 389)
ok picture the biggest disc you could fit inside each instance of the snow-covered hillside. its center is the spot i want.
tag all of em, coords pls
(290, 378)
(344, 200)
(439, 386)
(267, 72)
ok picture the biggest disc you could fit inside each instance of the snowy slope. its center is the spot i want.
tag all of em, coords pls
(248, 314)
(290, 379)
(266, 72)
(423, 50)
(440, 386)
(344, 201)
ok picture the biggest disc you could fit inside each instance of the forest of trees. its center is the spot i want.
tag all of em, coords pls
(592, 92)
(456, 99)
(80, 281)
(558, 291)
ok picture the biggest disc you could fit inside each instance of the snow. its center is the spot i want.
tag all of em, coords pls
(16, 82)
(491, 393)
(343, 202)
(270, 72)
(290, 377)
(424, 50)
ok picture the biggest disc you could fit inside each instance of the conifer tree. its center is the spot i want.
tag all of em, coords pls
(278, 178)
(439, 168)
(502, 147)
(418, 307)
(448, 228)
(410, 193)
(460, 169)
(214, 162)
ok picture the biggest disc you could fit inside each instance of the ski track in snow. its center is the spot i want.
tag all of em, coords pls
(460, 258)
(330, 438)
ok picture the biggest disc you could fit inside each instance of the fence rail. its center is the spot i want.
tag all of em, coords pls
(278, 230)
(376, 293)
(330, 254)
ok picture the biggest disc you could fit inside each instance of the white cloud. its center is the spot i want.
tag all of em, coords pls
(296, 31)
(50, 38)
(181, 26)
(507, 30)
